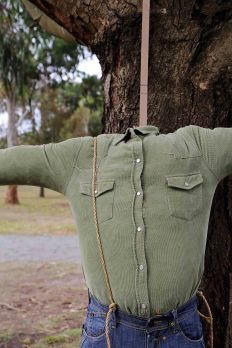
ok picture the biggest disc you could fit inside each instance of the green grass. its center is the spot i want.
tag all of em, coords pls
(5, 337)
(66, 336)
(35, 215)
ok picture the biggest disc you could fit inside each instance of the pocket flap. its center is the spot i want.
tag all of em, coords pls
(185, 181)
(101, 187)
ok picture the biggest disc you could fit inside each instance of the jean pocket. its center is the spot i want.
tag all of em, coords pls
(184, 195)
(104, 199)
(190, 327)
(95, 325)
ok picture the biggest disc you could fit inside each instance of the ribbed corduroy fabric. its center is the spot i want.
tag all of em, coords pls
(154, 194)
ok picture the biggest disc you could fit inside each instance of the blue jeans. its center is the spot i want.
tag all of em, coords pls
(179, 327)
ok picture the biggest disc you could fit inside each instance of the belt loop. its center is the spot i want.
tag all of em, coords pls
(82, 329)
(174, 322)
(88, 297)
(113, 318)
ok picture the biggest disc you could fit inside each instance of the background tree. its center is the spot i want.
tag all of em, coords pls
(66, 110)
(86, 102)
(14, 73)
(189, 83)
(29, 59)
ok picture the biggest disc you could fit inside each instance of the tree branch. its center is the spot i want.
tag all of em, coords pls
(87, 21)
(47, 23)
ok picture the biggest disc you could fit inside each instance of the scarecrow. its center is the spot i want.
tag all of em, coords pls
(141, 202)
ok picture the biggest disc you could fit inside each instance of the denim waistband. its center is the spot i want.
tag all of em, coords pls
(159, 321)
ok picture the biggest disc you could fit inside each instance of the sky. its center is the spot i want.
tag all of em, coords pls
(89, 65)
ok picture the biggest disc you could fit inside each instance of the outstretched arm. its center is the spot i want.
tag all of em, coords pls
(216, 147)
(48, 165)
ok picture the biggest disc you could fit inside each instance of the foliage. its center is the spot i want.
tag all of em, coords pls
(41, 70)
(16, 46)
(27, 54)
(68, 110)
(85, 101)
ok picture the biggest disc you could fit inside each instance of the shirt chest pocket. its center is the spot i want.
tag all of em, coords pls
(184, 195)
(104, 200)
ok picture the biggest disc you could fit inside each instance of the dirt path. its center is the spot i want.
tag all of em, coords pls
(39, 248)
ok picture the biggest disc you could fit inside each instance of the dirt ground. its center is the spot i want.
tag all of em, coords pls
(41, 304)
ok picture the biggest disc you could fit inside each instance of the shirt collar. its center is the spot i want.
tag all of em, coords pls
(132, 131)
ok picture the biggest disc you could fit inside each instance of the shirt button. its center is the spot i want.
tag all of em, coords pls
(186, 183)
(141, 267)
(143, 305)
(139, 229)
(95, 191)
(138, 193)
(138, 160)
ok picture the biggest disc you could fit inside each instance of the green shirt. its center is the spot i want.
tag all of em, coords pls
(154, 195)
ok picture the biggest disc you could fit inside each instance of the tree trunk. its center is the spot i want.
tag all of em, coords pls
(41, 192)
(189, 79)
(11, 196)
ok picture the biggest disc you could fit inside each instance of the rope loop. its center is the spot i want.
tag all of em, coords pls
(113, 305)
(209, 319)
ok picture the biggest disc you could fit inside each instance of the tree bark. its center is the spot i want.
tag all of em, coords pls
(11, 196)
(189, 83)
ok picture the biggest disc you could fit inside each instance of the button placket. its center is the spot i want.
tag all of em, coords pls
(141, 267)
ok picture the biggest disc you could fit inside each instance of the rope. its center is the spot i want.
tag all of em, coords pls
(112, 305)
(209, 319)
(144, 63)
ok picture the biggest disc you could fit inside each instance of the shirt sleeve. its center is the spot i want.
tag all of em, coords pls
(216, 148)
(48, 165)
